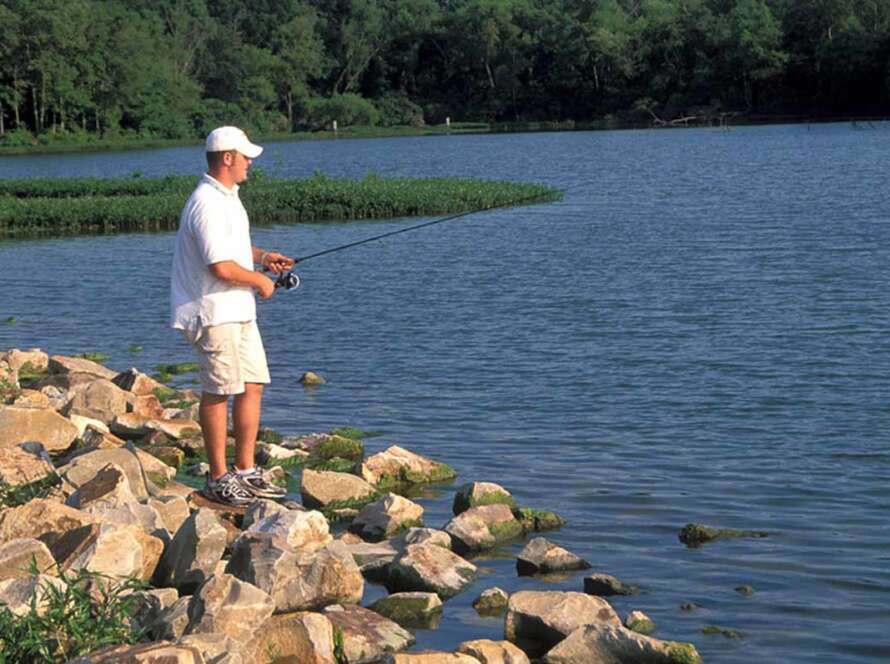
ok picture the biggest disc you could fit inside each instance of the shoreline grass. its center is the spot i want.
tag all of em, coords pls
(52, 207)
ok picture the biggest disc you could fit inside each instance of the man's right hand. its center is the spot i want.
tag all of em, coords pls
(265, 286)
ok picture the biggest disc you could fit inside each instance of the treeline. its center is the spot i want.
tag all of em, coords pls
(176, 68)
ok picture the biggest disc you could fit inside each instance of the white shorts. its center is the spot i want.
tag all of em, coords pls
(229, 355)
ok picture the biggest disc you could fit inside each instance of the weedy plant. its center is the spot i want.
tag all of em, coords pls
(19, 494)
(89, 612)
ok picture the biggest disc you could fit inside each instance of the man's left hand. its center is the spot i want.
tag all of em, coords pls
(277, 263)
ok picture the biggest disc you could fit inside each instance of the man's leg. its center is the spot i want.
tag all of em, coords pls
(246, 420)
(214, 418)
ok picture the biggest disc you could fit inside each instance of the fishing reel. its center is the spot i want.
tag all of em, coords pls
(288, 281)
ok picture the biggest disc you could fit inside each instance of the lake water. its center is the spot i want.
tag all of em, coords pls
(697, 333)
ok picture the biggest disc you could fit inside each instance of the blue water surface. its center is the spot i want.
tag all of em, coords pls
(696, 333)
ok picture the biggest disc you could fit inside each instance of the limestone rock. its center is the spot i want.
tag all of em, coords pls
(99, 438)
(32, 399)
(167, 454)
(493, 652)
(84, 422)
(538, 620)
(22, 425)
(144, 517)
(267, 453)
(366, 634)
(147, 405)
(302, 637)
(149, 605)
(16, 359)
(218, 648)
(138, 383)
(491, 602)
(476, 494)
(158, 652)
(131, 425)
(535, 520)
(386, 516)
(173, 620)
(429, 568)
(61, 364)
(422, 536)
(175, 429)
(117, 551)
(373, 559)
(227, 605)
(639, 622)
(106, 490)
(325, 489)
(606, 585)
(601, 642)
(259, 510)
(41, 518)
(297, 581)
(58, 397)
(191, 556)
(415, 610)
(100, 399)
(482, 527)
(429, 657)
(304, 531)
(540, 556)
(16, 593)
(17, 555)
(396, 465)
(173, 510)
(140, 468)
(20, 466)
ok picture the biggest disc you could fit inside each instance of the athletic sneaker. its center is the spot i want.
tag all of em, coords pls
(256, 484)
(227, 490)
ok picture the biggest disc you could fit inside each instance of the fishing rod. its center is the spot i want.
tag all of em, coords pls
(289, 280)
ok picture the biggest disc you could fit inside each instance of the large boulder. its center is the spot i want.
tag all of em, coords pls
(117, 551)
(429, 568)
(100, 399)
(297, 581)
(366, 634)
(106, 490)
(34, 358)
(538, 620)
(230, 606)
(476, 494)
(385, 517)
(606, 585)
(139, 383)
(415, 610)
(173, 510)
(304, 637)
(41, 518)
(259, 510)
(16, 594)
(607, 643)
(28, 398)
(62, 365)
(396, 465)
(141, 469)
(304, 531)
(192, 555)
(482, 527)
(22, 425)
(541, 556)
(494, 652)
(19, 465)
(18, 555)
(373, 558)
(324, 489)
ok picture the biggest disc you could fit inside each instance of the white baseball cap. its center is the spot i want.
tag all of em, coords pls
(222, 139)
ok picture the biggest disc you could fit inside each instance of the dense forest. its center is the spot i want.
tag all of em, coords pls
(175, 68)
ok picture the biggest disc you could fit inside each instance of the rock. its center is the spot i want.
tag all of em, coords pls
(745, 590)
(229, 606)
(136, 465)
(304, 531)
(61, 364)
(310, 378)
(332, 446)
(482, 527)
(18, 555)
(386, 516)
(396, 465)
(534, 520)
(493, 652)
(16, 593)
(267, 453)
(422, 536)
(97, 437)
(172, 489)
(106, 490)
(149, 605)
(429, 657)
(297, 581)
(32, 399)
(131, 425)
(540, 556)
(159, 652)
(259, 510)
(191, 556)
(34, 357)
(301, 637)
(328, 489)
(606, 585)
(537, 621)
(429, 568)
(639, 622)
(84, 422)
(173, 620)
(218, 648)
(147, 406)
(22, 425)
(9, 381)
(171, 456)
(366, 634)
(100, 399)
(476, 494)
(373, 559)
(19, 466)
(138, 383)
(41, 518)
(173, 510)
(198, 470)
(176, 429)
(57, 397)
(600, 642)
(695, 534)
(117, 551)
(491, 602)
(415, 610)
(144, 517)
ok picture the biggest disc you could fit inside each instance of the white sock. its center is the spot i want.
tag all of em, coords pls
(248, 471)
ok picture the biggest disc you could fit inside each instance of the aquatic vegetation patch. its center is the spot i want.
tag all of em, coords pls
(94, 205)
(354, 433)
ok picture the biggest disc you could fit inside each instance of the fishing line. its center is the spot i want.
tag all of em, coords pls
(290, 281)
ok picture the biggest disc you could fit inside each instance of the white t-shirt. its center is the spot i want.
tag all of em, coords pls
(213, 228)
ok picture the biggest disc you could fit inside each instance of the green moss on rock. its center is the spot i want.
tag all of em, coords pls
(535, 520)
(683, 653)
(695, 534)
(645, 627)
(338, 446)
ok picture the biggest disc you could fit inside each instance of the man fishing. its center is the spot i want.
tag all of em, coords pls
(212, 301)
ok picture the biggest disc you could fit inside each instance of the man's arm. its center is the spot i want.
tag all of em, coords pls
(231, 272)
(272, 260)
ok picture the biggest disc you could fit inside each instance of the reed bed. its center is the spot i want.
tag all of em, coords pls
(58, 207)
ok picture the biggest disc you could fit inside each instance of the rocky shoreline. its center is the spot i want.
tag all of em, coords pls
(95, 506)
